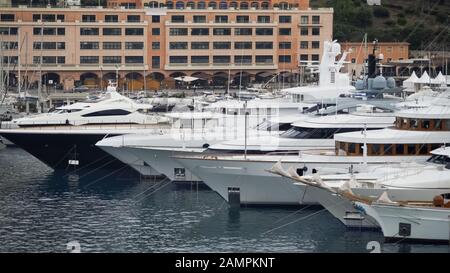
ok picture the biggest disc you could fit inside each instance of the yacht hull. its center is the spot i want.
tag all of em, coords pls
(56, 149)
(409, 223)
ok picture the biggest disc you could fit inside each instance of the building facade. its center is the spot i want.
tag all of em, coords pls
(218, 41)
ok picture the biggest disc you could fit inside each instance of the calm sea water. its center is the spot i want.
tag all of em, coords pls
(41, 211)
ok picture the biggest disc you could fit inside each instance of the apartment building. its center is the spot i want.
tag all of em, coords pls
(151, 42)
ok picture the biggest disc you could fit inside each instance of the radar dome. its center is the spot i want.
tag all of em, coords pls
(379, 83)
(390, 82)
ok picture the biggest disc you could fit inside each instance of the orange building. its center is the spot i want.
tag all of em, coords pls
(162, 40)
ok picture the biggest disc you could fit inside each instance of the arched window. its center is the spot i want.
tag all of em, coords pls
(201, 5)
(212, 4)
(265, 5)
(190, 5)
(284, 5)
(234, 5)
(223, 5)
(169, 4)
(180, 5)
(255, 5)
(243, 5)
(153, 4)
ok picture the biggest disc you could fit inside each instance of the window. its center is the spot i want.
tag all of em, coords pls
(399, 149)
(264, 59)
(264, 45)
(304, 57)
(315, 44)
(221, 59)
(134, 45)
(133, 18)
(111, 18)
(112, 31)
(284, 58)
(156, 19)
(200, 59)
(263, 19)
(200, 31)
(315, 57)
(88, 31)
(242, 31)
(284, 31)
(242, 59)
(134, 31)
(10, 59)
(243, 5)
(284, 45)
(315, 31)
(156, 45)
(304, 44)
(112, 59)
(7, 17)
(89, 59)
(221, 19)
(199, 45)
(179, 5)
(199, 19)
(264, 31)
(304, 20)
(61, 59)
(223, 5)
(9, 45)
(242, 19)
(212, 4)
(156, 63)
(88, 45)
(60, 17)
(111, 112)
(285, 19)
(36, 17)
(221, 45)
(178, 31)
(201, 5)
(134, 59)
(316, 19)
(304, 31)
(88, 18)
(222, 31)
(48, 18)
(12, 31)
(156, 31)
(178, 45)
(61, 31)
(177, 19)
(178, 59)
(112, 45)
(243, 45)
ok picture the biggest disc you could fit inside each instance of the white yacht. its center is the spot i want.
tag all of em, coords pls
(415, 133)
(67, 136)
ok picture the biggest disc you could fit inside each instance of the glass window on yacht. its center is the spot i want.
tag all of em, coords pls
(399, 149)
(111, 112)
(375, 149)
(411, 149)
(413, 123)
(351, 148)
(422, 149)
(387, 149)
(425, 124)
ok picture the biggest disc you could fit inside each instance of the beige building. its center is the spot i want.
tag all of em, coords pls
(142, 47)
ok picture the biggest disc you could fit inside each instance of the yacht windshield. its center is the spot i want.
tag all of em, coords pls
(273, 126)
(439, 159)
(315, 133)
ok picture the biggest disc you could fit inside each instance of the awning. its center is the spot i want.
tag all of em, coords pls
(186, 79)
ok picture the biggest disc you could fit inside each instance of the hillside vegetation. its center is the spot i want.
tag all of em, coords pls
(425, 24)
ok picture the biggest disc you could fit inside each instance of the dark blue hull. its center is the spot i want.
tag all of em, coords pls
(55, 150)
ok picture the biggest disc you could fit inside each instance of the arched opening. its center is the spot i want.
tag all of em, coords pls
(201, 5)
(51, 80)
(203, 79)
(243, 5)
(219, 79)
(169, 5)
(153, 81)
(265, 5)
(255, 5)
(284, 5)
(241, 78)
(110, 76)
(134, 81)
(234, 5)
(179, 5)
(89, 80)
(153, 4)
(176, 84)
(264, 77)
(212, 4)
(223, 5)
(190, 5)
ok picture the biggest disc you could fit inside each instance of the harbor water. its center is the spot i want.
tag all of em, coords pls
(42, 211)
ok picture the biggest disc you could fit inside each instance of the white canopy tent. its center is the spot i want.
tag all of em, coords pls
(409, 83)
(425, 79)
(186, 79)
(440, 79)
